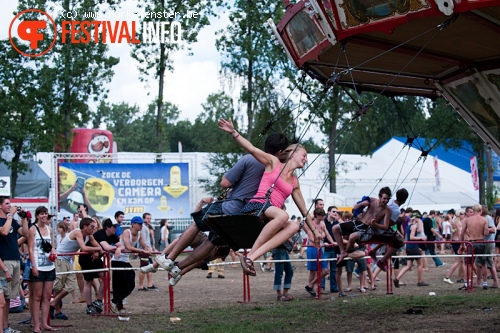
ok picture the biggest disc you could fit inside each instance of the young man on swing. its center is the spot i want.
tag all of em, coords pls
(377, 210)
(244, 179)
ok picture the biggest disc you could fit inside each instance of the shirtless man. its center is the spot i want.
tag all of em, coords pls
(377, 210)
(476, 227)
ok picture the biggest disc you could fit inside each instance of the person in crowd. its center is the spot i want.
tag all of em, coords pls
(124, 280)
(476, 228)
(66, 283)
(147, 235)
(432, 234)
(413, 252)
(163, 234)
(456, 230)
(119, 217)
(278, 173)
(62, 229)
(220, 269)
(315, 253)
(331, 249)
(489, 247)
(9, 253)
(43, 270)
(283, 290)
(497, 239)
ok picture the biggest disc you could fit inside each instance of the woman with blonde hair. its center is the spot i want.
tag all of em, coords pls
(280, 179)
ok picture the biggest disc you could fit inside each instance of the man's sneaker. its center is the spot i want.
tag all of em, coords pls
(485, 285)
(164, 262)
(10, 330)
(98, 305)
(382, 266)
(60, 316)
(148, 269)
(153, 288)
(175, 271)
(422, 284)
(447, 280)
(396, 282)
(173, 281)
(209, 275)
(91, 310)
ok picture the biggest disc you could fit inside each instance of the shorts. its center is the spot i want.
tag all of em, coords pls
(350, 227)
(44, 276)
(413, 251)
(478, 249)
(349, 265)
(145, 259)
(255, 206)
(455, 247)
(390, 237)
(11, 288)
(215, 209)
(64, 281)
(87, 263)
(489, 248)
(312, 253)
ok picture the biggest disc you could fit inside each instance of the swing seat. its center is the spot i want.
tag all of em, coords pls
(237, 231)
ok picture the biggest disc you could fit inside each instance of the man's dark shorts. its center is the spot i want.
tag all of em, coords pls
(215, 209)
(87, 263)
(350, 227)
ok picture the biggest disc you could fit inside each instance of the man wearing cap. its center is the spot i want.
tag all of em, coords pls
(124, 280)
(9, 253)
(104, 237)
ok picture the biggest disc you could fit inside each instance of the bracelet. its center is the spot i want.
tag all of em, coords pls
(236, 137)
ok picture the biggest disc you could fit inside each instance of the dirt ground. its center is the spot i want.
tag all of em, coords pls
(195, 291)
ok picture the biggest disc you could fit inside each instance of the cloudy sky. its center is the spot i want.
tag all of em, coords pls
(193, 79)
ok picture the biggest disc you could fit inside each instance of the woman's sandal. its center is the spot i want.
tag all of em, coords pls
(286, 298)
(247, 265)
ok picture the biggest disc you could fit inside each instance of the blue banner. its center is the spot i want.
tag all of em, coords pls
(160, 189)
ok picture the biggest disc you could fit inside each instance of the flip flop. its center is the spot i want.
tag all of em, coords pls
(247, 265)
(286, 298)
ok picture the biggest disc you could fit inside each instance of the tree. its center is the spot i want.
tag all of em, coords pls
(157, 58)
(25, 129)
(250, 54)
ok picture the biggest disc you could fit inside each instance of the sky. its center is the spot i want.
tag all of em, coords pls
(193, 79)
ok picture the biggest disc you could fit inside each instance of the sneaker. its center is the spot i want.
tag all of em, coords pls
(209, 275)
(263, 266)
(148, 269)
(396, 282)
(173, 281)
(442, 264)
(98, 305)
(91, 310)
(382, 266)
(221, 277)
(422, 284)
(153, 288)
(175, 271)
(485, 285)
(60, 316)
(447, 280)
(165, 263)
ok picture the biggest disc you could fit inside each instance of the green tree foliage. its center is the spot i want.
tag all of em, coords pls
(25, 127)
(158, 58)
(249, 54)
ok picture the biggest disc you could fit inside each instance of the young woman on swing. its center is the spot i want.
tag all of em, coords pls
(278, 172)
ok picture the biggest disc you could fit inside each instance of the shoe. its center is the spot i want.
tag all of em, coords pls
(342, 294)
(175, 271)
(60, 316)
(209, 275)
(441, 265)
(221, 277)
(98, 305)
(485, 285)
(460, 281)
(422, 284)
(148, 269)
(173, 281)
(263, 266)
(402, 284)
(143, 289)
(10, 330)
(382, 266)
(153, 288)
(301, 257)
(91, 310)
(334, 291)
(165, 263)
(447, 280)
(396, 282)
(310, 291)
(294, 267)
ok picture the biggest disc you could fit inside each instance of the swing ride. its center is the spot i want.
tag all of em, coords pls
(428, 48)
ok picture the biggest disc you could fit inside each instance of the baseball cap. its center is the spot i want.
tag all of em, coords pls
(136, 219)
(108, 223)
